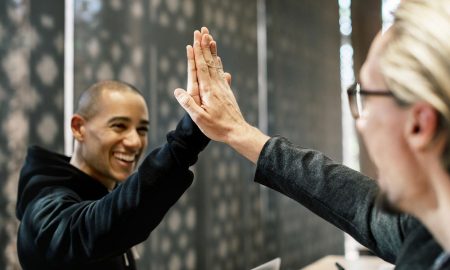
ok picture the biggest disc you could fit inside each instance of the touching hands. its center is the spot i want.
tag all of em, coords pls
(211, 103)
(209, 100)
(192, 84)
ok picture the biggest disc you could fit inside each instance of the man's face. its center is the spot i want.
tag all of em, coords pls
(115, 138)
(383, 126)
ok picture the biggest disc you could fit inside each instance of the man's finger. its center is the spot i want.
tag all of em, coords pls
(227, 77)
(203, 76)
(210, 61)
(192, 84)
(213, 47)
(191, 70)
(197, 36)
(204, 30)
(188, 103)
(219, 64)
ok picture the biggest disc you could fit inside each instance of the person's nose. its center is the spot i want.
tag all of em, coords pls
(133, 140)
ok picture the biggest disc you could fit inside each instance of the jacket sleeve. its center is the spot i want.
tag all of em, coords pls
(340, 195)
(72, 232)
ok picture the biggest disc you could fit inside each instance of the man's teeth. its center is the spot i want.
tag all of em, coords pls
(125, 157)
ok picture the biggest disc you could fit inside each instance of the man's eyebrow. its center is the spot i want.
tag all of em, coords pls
(144, 122)
(127, 119)
(119, 118)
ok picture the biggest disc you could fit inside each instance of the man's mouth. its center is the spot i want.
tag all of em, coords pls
(129, 158)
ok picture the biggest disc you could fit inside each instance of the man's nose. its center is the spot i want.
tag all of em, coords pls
(133, 140)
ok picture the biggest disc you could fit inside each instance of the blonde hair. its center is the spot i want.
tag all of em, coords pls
(416, 60)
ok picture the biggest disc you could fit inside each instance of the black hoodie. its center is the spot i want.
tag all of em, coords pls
(70, 221)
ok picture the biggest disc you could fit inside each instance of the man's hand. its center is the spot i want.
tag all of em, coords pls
(217, 114)
(214, 109)
(192, 83)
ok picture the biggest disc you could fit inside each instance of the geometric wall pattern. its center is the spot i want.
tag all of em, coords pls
(224, 221)
(31, 98)
(304, 106)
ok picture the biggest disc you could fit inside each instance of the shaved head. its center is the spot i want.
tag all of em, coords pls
(90, 100)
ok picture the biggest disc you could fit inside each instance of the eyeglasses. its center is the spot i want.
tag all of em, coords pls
(356, 98)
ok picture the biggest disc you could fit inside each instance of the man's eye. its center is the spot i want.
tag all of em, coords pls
(143, 131)
(119, 126)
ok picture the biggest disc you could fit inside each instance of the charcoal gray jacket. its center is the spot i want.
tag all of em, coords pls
(345, 198)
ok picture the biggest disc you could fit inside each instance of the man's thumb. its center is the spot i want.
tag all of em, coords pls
(185, 100)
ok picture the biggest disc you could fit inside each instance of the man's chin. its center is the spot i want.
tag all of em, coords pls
(120, 178)
(383, 203)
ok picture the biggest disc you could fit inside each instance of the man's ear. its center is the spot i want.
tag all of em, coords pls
(422, 125)
(77, 125)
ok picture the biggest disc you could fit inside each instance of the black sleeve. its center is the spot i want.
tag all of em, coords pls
(69, 231)
(340, 195)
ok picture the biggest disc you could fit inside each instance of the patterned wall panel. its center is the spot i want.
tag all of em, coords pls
(31, 98)
(233, 225)
(304, 94)
(110, 42)
(173, 245)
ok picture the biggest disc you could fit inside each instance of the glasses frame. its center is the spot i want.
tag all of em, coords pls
(355, 94)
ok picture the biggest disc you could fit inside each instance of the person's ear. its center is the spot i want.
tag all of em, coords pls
(422, 125)
(77, 125)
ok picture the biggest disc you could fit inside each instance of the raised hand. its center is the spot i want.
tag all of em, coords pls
(216, 112)
(192, 84)
(217, 100)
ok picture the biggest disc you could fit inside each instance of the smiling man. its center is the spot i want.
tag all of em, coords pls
(402, 110)
(87, 211)
(110, 129)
